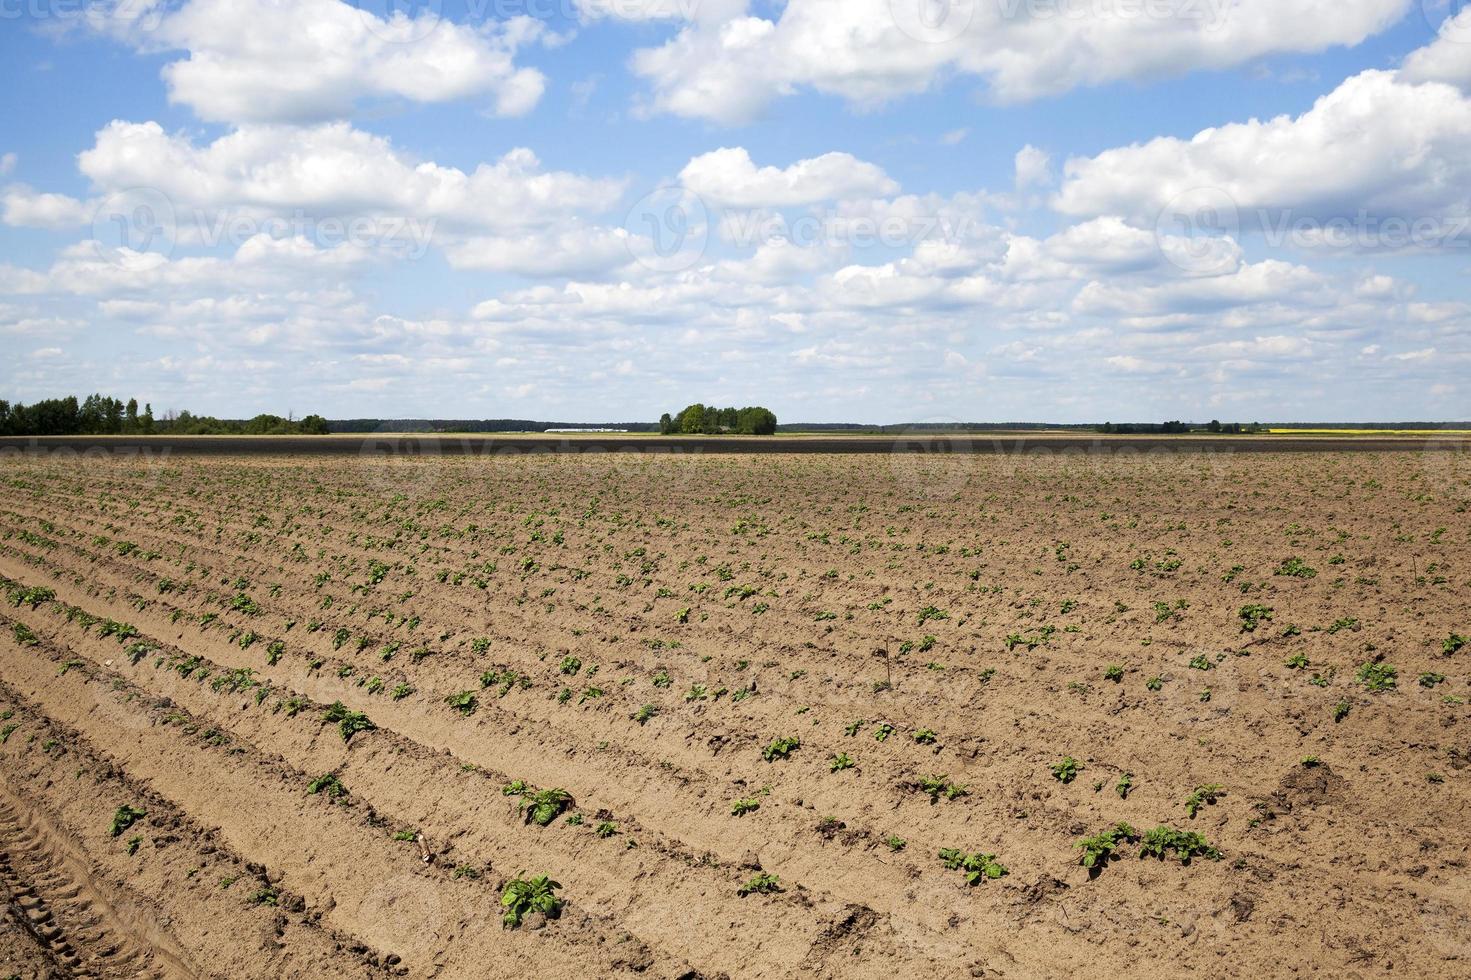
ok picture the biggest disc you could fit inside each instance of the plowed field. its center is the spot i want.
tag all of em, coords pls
(282, 716)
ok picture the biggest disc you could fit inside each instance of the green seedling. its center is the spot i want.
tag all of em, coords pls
(761, 884)
(1185, 844)
(1125, 783)
(1067, 770)
(544, 806)
(1103, 847)
(349, 723)
(125, 817)
(327, 783)
(464, 702)
(1253, 616)
(525, 895)
(1296, 568)
(1201, 796)
(938, 786)
(976, 867)
(780, 748)
(1377, 678)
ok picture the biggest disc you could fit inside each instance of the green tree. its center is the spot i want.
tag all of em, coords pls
(692, 419)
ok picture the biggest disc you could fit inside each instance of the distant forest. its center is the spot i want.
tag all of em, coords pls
(698, 419)
(104, 415)
(101, 415)
(476, 425)
(1179, 428)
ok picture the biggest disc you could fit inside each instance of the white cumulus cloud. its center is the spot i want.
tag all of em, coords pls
(729, 176)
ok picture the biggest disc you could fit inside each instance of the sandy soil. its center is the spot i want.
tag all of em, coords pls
(638, 630)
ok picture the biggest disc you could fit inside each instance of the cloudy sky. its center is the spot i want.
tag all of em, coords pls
(847, 210)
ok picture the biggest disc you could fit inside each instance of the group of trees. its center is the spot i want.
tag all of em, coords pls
(1178, 428)
(95, 415)
(188, 424)
(101, 415)
(708, 420)
(479, 425)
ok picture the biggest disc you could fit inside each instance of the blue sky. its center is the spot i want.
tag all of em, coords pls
(857, 210)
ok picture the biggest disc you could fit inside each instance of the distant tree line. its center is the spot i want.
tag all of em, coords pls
(101, 415)
(1179, 428)
(700, 419)
(475, 425)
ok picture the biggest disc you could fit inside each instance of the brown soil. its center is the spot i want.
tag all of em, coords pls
(638, 630)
